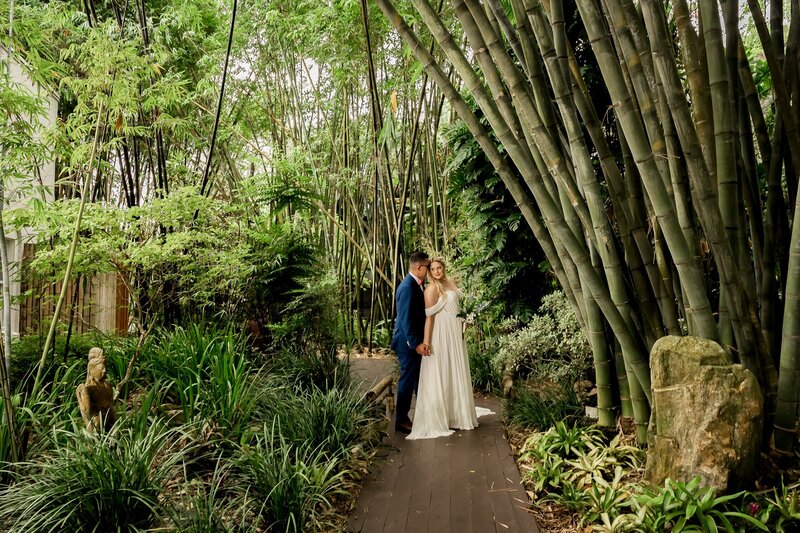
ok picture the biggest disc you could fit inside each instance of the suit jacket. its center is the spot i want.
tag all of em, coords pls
(409, 328)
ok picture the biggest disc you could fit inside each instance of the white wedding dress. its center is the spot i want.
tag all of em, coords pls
(444, 394)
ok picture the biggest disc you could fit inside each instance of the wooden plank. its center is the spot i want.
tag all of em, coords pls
(465, 483)
(378, 490)
(419, 508)
(373, 502)
(439, 519)
(481, 508)
(498, 487)
(460, 516)
(397, 516)
(519, 497)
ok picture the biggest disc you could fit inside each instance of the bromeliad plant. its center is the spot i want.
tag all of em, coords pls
(691, 507)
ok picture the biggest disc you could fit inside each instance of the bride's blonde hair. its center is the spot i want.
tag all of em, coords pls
(438, 283)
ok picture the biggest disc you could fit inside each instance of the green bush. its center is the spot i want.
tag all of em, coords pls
(550, 347)
(52, 406)
(208, 374)
(541, 408)
(294, 481)
(26, 353)
(485, 377)
(107, 482)
(335, 419)
(311, 318)
(307, 367)
(679, 506)
(212, 506)
(580, 469)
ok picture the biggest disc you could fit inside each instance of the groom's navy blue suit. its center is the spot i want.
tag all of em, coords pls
(409, 332)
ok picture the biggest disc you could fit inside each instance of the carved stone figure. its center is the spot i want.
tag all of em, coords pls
(96, 396)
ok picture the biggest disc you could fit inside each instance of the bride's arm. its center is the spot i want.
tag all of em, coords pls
(431, 297)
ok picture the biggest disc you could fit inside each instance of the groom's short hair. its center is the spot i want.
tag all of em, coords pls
(417, 258)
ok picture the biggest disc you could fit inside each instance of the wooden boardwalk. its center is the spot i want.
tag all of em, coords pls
(467, 482)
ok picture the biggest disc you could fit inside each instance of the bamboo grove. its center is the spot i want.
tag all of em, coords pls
(684, 226)
(321, 129)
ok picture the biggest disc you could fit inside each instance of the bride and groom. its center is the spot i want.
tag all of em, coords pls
(432, 353)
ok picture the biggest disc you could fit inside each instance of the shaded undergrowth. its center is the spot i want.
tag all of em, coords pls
(210, 436)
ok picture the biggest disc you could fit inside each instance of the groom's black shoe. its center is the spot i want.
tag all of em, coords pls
(403, 427)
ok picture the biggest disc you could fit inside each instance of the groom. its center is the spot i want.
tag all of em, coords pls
(409, 332)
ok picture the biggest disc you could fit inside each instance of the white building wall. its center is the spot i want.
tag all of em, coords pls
(18, 194)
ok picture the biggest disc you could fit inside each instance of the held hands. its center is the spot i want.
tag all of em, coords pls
(423, 349)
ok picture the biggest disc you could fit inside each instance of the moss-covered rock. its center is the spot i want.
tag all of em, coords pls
(706, 419)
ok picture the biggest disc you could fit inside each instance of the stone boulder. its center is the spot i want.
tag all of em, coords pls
(706, 415)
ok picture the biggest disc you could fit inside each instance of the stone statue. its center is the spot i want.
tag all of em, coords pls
(96, 396)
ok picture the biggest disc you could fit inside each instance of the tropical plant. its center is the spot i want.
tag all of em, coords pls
(491, 251)
(306, 367)
(208, 374)
(541, 408)
(113, 481)
(780, 510)
(295, 482)
(212, 506)
(550, 347)
(332, 419)
(679, 506)
(484, 376)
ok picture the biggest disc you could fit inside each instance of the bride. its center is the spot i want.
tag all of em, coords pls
(444, 394)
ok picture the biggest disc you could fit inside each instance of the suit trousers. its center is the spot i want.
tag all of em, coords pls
(410, 362)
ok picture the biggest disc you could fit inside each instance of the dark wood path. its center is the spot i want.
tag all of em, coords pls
(467, 482)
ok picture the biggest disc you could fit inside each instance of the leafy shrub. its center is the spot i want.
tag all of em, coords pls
(496, 256)
(210, 507)
(542, 408)
(484, 376)
(311, 318)
(334, 419)
(106, 482)
(679, 506)
(550, 347)
(27, 351)
(781, 510)
(308, 368)
(546, 456)
(36, 412)
(294, 481)
(208, 374)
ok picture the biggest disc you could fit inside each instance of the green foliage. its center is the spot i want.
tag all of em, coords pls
(541, 408)
(306, 368)
(550, 347)
(485, 377)
(311, 318)
(494, 251)
(108, 482)
(207, 268)
(212, 506)
(689, 506)
(597, 479)
(781, 510)
(564, 440)
(332, 420)
(208, 374)
(313, 400)
(579, 468)
(294, 481)
(23, 139)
